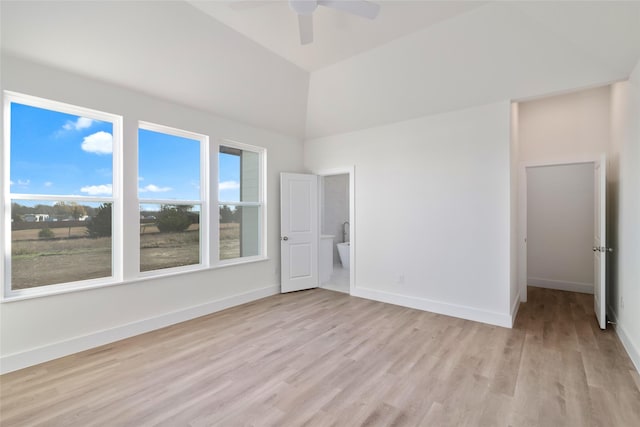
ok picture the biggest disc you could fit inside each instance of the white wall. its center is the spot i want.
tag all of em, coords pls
(624, 303)
(335, 209)
(37, 329)
(432, 210)
(560, 218)
(565, 127)
(516, 236)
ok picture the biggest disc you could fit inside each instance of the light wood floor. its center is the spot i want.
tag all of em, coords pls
(324, 358)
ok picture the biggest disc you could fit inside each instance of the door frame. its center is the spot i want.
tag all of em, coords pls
(522, 209)
(351, 171)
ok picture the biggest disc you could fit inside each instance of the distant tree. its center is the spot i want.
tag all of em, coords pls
(77, 211)
(100, 224)
(90, 211)
(237, 215)
(226, 214)
(194, 217)
(69, 210)
(60, 210)
(15, 216)
(173, 218)
(17, 210)
(43, 209)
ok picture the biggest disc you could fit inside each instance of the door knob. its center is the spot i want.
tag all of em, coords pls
(285, 238)
(595, 249)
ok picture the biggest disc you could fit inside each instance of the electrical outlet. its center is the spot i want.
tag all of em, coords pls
(621, 303)
(400, 280)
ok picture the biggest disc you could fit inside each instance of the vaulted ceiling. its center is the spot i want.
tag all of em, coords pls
(243, 60)
(338, 35)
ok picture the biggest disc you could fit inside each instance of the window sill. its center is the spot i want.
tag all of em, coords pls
(143, 277)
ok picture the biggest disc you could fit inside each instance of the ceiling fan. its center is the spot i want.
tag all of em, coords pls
(305, 9)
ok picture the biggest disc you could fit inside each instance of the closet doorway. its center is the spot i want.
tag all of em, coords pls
(564, 221)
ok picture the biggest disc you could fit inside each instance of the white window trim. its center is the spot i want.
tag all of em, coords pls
(262, 203)
(204, 202)
(5, 204)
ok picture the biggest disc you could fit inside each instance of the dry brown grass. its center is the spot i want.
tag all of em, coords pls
(45, 262)
(72, 256)
(167, 250)
(229, 241)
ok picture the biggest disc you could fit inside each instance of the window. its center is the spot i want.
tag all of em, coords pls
(62, 195)
(64, 213)
(240, 201)
(172, 197)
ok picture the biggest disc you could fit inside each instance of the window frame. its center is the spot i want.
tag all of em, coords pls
(261, 203)
(116, 277)
(204, 201)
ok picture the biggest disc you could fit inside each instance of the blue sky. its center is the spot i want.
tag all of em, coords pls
(54, 153)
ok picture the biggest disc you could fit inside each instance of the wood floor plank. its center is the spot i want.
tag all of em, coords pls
(321, 358)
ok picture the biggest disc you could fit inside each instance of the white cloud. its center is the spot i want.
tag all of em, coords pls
(154, 189)
(99, 143)
(95, 190)
(140, 178)
(81, 123)
(24, 182)
(229, 185)
(48, 184)
(11, 182)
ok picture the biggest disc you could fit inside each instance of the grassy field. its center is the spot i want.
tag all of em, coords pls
(72, 256)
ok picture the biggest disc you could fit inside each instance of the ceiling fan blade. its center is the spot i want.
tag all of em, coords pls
(305, 23)
(365, 9)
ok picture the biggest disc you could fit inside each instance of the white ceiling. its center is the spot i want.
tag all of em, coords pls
(245, 63)
(337, 35)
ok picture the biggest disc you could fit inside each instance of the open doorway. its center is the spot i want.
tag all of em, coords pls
(563, 215)
(336, 231)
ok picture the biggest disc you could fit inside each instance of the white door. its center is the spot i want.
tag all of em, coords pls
(600, 244)
(298, 231)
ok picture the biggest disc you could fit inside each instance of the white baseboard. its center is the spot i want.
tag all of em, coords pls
(463, 312)
(629, 346)
(632, 350)
(13, 362)
(560, 285)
